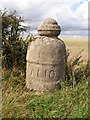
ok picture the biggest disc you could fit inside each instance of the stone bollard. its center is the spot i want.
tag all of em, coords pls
(46, 58)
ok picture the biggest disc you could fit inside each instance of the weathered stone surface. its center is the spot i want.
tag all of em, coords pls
(49, 27)
(46, 60)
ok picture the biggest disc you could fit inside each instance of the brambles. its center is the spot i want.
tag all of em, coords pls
(76, 70)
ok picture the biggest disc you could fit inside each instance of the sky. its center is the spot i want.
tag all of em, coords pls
(71, 15)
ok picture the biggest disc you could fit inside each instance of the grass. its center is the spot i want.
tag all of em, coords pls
(18, 102)
(66, 103)
(62, 104)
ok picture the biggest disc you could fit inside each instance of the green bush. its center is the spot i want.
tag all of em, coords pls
(13, 46)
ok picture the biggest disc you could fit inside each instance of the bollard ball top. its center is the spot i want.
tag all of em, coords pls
(49, 27)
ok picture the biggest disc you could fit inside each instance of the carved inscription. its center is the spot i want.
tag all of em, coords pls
(47, 74)
(52, 74)
(32, 72)
(37, 72)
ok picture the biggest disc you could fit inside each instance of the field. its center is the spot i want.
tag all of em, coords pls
(69, 102)
(75, 45)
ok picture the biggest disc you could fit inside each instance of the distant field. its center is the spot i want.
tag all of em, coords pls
(75, 45)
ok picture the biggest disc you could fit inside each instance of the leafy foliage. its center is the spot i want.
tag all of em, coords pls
(13, 45)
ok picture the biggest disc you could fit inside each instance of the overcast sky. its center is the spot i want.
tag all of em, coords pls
(71, 15)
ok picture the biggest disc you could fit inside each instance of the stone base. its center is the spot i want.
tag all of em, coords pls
(46, 78)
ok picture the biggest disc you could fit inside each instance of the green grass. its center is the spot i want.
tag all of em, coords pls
(18, 102)
(66, 103)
